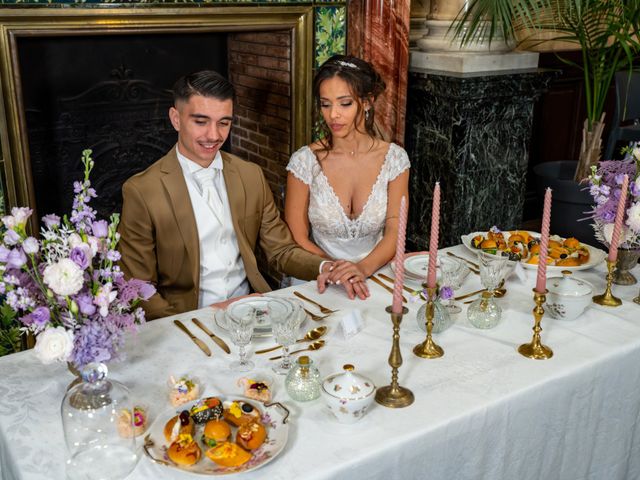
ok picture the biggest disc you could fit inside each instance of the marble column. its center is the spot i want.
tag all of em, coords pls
(379, 33)
(471, 132)
(418, 26)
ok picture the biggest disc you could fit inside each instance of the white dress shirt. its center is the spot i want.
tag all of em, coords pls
(222, 274)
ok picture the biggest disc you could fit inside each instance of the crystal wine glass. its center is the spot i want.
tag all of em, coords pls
(453, 274)
(285, 329)
(493, 270)
(240, 328)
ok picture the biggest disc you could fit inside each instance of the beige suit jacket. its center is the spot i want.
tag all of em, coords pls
(159, 236)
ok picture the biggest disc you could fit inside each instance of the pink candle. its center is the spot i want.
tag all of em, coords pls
(396, 306)
(433, 241)
(541, 280)
(617, 226)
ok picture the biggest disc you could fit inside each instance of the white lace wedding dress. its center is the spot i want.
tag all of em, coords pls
(331, 229)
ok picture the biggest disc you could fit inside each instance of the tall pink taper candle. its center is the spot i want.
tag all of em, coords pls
(541, 280)
(433, 241)
(396, 306)
(617, 226)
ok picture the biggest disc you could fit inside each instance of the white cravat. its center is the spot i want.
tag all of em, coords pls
(207, 180)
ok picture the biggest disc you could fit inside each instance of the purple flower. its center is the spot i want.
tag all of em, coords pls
(41, 316)
(634, 187)
(85, 303)
(77, 187)
(4, 254)
(30, 246)
(619, 178)
(16, 258)
(446, 293)
(100, 228)
(96, 342)
(51, 220)
(80, 257)
(11, 237)
(134, 289)
(113, 255)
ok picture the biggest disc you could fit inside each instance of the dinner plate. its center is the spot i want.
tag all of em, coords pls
(267, 304)
(274, 418)
(596, 256)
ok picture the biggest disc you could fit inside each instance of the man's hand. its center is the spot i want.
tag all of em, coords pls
(348, 274)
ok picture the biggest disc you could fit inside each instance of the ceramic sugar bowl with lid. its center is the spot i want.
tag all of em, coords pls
(348, 395)
(568, 296)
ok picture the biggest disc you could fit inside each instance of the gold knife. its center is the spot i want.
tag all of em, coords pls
(221, 343)
(386, 287)
(196, 340)
(389, 279)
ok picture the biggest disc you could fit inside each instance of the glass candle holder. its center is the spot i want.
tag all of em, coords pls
(303, 380)
(485, 312)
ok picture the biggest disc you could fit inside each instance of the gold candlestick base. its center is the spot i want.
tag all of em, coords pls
(637, 300)
(428, 348)
(607, 299)
(535, 349)
(395, 396)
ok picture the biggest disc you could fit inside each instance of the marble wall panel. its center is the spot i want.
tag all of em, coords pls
(472, 134)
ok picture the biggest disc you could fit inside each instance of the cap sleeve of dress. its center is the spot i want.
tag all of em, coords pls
(302, 164)
(397, 162)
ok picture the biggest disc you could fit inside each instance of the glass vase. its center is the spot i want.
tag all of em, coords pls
(91, 411)
(484, 312)
(303, 380)
(441, 318)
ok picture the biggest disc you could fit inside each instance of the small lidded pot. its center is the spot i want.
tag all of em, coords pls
(348, 394)
(568, 296)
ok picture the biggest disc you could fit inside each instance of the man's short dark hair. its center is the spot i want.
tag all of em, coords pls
(206, 83)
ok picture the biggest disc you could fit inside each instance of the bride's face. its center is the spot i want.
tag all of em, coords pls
(341, 110)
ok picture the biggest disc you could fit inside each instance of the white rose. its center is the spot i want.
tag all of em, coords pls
(633, 217)
(55, 343)
(64, 277)
(74, 240)
(625, 234)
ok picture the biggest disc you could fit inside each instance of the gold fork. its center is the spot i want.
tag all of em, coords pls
(324, 310)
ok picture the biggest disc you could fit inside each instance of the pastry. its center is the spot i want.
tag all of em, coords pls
(251, 435)
(178, 425)
(255, 389)
(228, 454)
(184, 451)
(209, 408)
(128, 425)
(183, 390)
(238, 412)
(215, 431)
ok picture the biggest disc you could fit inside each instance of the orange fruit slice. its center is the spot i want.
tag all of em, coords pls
(227, 454)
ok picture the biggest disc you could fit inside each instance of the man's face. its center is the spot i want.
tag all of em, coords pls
(203, 125)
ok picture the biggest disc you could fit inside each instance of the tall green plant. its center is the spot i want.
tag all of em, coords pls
(605, 30)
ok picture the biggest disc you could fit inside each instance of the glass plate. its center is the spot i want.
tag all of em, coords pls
(274, 418)
(596, 256)
(267, 307)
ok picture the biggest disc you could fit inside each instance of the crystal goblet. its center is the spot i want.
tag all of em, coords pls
(240, 328)
(493, 269)
(285, 328)
(453, 274)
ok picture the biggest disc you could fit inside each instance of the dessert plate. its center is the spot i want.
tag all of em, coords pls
(274, 418)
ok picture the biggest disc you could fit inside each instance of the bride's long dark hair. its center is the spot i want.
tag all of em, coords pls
(365, 84)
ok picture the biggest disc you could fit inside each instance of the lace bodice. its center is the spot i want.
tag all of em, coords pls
(331, 228)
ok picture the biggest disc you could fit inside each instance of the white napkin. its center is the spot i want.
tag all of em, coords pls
(351, 323)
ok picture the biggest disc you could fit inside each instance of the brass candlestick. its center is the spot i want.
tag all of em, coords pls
(535, 349)
(395, 396)
(637, 299)
(428, 348)
(607, 299)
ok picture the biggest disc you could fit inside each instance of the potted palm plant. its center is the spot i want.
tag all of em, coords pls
(607, 32)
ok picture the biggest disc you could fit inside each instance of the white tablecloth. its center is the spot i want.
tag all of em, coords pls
(481, 412)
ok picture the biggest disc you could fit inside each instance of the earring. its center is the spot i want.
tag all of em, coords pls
(366, 114)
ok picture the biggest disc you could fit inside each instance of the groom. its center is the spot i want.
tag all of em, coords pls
(191, 221)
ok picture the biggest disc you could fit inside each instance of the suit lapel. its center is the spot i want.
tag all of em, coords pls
(237, 197)
(176, 187)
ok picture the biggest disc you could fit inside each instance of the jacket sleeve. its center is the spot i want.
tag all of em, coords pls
(278, 244)
(138, 248)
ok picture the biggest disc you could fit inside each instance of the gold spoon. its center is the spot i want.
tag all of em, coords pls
(314, 334)
(315, 317)
(317, 345)
(498, 292)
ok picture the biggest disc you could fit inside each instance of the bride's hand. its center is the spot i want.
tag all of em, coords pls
(348, 274)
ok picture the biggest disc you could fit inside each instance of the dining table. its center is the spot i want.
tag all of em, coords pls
(481, 411)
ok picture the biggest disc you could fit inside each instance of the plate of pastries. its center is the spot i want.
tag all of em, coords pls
(218, 435)
(524, 246)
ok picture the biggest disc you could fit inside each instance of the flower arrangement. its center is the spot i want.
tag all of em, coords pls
(605, 183)
(66, 287)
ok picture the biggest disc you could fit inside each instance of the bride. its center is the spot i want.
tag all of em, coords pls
(344, 191)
